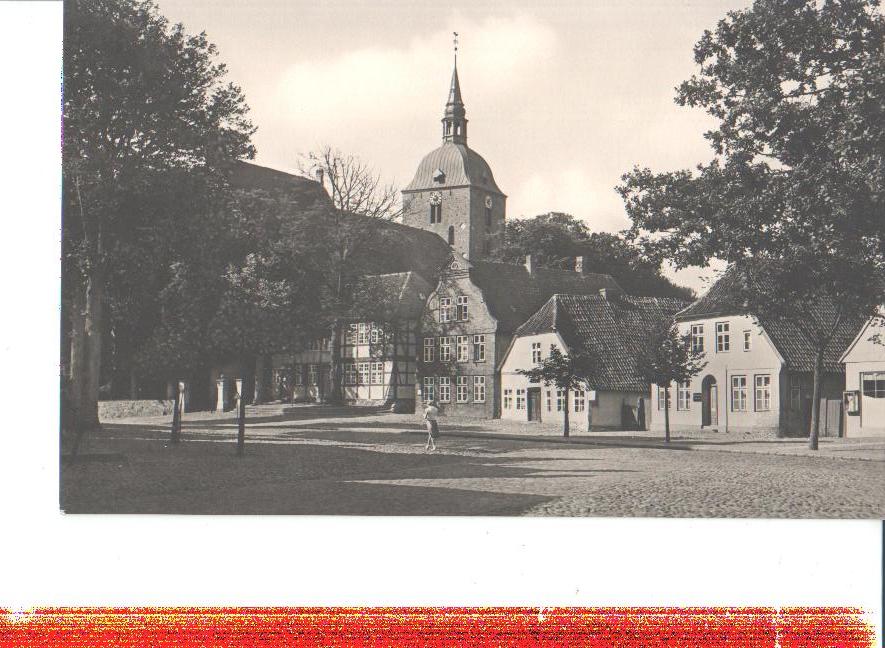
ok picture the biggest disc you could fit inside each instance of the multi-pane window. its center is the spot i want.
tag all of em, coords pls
(429, 391)
(683, 396)
(580, 400)
(435, 213)
(363, 373)
(375, 335)
(762, 402)
(377, 373)
(445, 309)
(738, 393)
(445, 389)
(479, 348)
(536, 352)
(873, 384)
(463, 390)
(479, 389)
(445, 348)
(363, 330)
(313, 374)
(350, 334)
(747, 341)
(463, 348)
(429, 346)
(662, 397)
(697, 338)
(560, 400)
(508, 398)
(549, 400)
(520, 399)
(462, 308)
(723, 342)
(349, 374)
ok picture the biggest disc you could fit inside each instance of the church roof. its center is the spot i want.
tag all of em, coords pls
(460, 166)
(303, 192)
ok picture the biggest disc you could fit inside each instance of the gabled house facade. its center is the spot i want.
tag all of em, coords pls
(610, 326)
(469, 321)
(759, 374)
(864, 398)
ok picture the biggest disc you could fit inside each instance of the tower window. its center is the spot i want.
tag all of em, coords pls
(451, 234)
(435, 214)
(488, 218)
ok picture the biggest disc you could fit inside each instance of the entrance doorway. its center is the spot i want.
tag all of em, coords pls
(710, 402)
(534, 404)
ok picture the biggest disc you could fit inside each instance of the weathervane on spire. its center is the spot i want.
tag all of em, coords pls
(455, 41)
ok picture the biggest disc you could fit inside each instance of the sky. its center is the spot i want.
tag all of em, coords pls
(562, 97)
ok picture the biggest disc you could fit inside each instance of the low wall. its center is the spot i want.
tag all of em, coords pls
(126, 408)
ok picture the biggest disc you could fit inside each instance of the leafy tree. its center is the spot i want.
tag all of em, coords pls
(555, 239)
(793, 198)
(665, 358)
(141, 97)
(568, 372)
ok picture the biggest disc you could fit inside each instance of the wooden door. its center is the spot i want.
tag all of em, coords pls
(534, 404)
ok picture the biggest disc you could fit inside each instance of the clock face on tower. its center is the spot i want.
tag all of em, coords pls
(489, 202)
(435, 198)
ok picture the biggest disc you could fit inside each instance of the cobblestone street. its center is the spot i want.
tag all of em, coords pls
(361, 464)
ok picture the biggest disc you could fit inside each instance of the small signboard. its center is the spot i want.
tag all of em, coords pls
(697, 397)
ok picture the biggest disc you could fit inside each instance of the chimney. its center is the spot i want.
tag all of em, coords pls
(579, 264)
(528, 263)
(319, 175)
(603, 292)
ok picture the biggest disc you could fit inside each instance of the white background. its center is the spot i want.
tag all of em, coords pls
(52, 559)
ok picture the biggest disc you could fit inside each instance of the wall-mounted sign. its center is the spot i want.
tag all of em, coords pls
(697, 397)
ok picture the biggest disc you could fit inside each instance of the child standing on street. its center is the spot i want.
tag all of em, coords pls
(431, 414)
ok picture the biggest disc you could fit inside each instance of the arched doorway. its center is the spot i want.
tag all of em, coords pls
(710, 402)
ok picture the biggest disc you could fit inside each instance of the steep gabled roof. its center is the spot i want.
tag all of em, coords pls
(723, 299)
(397, 295)
(512, 293)
(304, 191)
(612, 328)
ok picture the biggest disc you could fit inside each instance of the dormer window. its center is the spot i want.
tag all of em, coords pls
(439, 176)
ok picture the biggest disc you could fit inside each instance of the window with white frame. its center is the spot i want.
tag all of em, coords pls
(479, 348)
(313, 374)
(723, 341)
(350, 334)
(445, 389)
(349, 373)
(536, 352)
(697, 338)
(479, 389)
(463, 348)
(445, 348)
(375, 335)
(520, 399)
(762, 400)
(363, 374)
(549, 401)
(683, 396)
(662, 397)
(445, 309)
(738, 393)
(747, 341)
(873, 384)
(508, 398)
(462, 308)
(463, 391)
(580, 400)
(429, 391)
(377, 373)
(560, 400)
(362, 336)
(429, 348)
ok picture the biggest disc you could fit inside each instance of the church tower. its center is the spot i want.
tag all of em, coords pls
(453, 192)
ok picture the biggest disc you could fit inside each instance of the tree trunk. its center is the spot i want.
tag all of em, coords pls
(92, 325)
(565, 430)
(815, 399)
(77, 367)
(335, 373)
(393, 388)
(133, 384)
(667, 414)
(262, 379)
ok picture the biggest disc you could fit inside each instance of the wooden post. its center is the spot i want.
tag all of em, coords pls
(176, 416)
(241, 418)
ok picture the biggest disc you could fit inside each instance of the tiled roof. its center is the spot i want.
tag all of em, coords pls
(723, 299)
(400, 295)
(305, 192)
(512, 294)
(461, 166)
(613, 329)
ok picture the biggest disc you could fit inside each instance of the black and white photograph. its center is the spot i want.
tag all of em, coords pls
(575, 259)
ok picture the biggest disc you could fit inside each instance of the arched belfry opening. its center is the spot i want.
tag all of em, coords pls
(451, 235)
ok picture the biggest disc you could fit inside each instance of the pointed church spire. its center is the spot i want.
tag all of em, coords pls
(455, 120)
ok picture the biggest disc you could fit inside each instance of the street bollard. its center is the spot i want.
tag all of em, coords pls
(176, 417)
